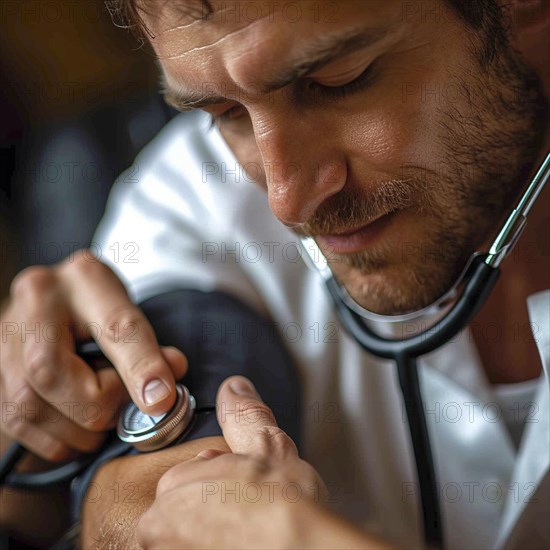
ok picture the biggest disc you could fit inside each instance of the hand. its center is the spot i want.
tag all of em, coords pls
(53, 402)
(261, 495)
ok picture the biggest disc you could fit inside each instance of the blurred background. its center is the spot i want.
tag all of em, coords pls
(78, 99)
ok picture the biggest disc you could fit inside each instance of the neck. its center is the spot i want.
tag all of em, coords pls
(502, 330)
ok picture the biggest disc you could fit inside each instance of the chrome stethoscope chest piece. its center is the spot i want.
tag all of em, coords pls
(150, 433)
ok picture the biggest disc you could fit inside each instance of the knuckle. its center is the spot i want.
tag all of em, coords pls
(273, 437)
(80, 263)
(211, 453)
(101, 424)
(254, 411)
(27, 404)
(102, 406)
(32, 281)
(126, 318)
(25, 395)
(309, 473)
(84, 265)
(93, 393)
(42, 367)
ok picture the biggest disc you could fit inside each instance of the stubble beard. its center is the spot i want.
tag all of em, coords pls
(490, 141)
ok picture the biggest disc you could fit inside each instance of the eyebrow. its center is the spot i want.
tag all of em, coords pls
(324, 50)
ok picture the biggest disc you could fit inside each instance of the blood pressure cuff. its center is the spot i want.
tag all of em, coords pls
(220, 337)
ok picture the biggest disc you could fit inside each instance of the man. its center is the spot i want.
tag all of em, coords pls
(399, 138)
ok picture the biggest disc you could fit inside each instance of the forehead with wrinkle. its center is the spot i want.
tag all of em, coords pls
(162, 15)
(202, 37)
(182, 26)
(233, 22)
(231, 36)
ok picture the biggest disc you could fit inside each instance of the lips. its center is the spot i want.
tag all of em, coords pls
(355, 240)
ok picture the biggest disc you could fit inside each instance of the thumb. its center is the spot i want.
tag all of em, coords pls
(248, 424)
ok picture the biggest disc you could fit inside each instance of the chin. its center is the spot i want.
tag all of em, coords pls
(395, 290)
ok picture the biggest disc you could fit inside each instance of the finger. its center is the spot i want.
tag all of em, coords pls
(198, 468)
(26, 414)
(45, 353)
(72, 421)
(41, 443)
(248, 424)
(64, 379)
(176, 361)
(127, 339)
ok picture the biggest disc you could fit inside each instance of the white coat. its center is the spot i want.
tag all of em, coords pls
(187, 215)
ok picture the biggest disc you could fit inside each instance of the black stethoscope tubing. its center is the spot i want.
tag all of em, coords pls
(481, 277)
(405, 353)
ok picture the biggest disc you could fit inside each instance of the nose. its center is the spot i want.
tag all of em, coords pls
(302, 166)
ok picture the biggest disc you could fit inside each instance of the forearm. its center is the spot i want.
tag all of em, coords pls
(125, 488)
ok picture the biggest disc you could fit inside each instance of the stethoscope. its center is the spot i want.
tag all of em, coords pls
(459, 308)
(135, 430)
(146, 433)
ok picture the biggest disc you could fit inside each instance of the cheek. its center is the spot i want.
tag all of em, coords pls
(248, 155)
(398, 121)
(393, 136)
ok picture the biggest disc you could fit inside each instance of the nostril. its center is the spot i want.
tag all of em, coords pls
(294, 210)
(297, 189)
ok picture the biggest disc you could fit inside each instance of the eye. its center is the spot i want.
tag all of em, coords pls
(233, 113)
(361, 82)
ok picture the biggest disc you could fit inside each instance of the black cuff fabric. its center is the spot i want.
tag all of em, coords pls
(220, 337)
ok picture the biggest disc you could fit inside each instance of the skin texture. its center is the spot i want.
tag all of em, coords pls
(443, 134)
(127, 490)
(78, 299)
(449, 162)
(255, 458)
(55, 404)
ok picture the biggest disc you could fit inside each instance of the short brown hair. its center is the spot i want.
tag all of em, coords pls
(126, 13)
(484, 16)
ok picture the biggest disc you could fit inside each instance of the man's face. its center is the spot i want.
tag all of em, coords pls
(374, 126)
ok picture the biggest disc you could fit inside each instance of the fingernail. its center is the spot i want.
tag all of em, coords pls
(155, 391)
(242, 386)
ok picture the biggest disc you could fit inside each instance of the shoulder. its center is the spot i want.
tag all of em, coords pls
(187, 169)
